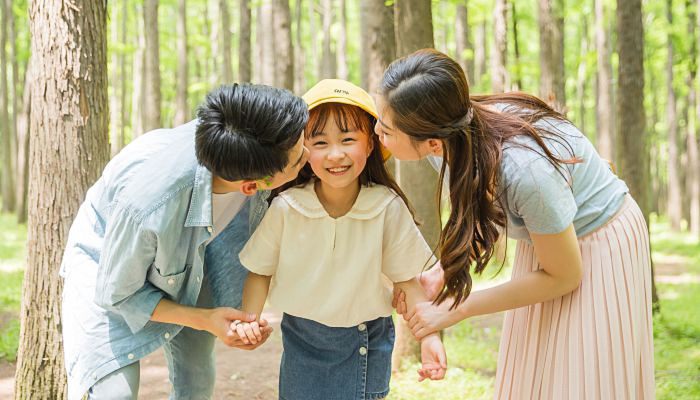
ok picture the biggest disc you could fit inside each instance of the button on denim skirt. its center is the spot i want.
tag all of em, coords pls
(320, 362)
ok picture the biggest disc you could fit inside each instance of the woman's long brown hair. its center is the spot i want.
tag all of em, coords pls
(348, 118)
(427, 95)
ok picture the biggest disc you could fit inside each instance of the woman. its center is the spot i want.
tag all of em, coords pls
(579, 305)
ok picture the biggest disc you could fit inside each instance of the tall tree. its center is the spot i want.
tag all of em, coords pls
(283, 56)
(551, 22)
(266, 43)
(8, 181)
(244, 43)
(342, 49)
(152, 96)
(139, 77)
(116, 139)
(634, 160)
(182, 110)
(327, 67)
(14, 83)
(463, 41)
(674, 206)
(379, 44)
(299, 51)
(480, 50)
(225, 27)
(499, 73)
(69, 148)
(516, 49)
(693, 171)
(605, 125)
(414, 30)
(23, 146)
(582, 75)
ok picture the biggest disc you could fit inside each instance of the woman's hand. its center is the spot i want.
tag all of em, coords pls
(427, 318)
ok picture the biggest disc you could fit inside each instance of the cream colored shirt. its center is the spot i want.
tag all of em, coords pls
(330, 270)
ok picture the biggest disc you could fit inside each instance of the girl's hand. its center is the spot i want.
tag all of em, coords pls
(249, 335)
(427, 318)
(432, 282)
(433, 358)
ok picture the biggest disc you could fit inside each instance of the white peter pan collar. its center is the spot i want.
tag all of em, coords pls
(371, 201)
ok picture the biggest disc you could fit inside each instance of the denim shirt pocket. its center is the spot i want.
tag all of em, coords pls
(169, 284)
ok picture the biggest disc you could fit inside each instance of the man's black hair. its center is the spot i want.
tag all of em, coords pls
(245, 131)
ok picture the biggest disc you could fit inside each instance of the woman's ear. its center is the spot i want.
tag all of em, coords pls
(435, 146)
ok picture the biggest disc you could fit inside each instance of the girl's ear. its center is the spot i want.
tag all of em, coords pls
(371, 143)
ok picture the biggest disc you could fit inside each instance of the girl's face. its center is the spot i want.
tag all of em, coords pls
(338, 157)
(398, 142)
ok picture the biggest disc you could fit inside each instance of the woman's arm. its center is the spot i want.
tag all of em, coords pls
(560, 272)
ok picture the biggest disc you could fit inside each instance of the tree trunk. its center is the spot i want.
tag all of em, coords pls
(151, 112)
(463, 43)
(693, 172)
(267, 43)
(582, 75)
(551, 22)
(604, 88)
(69, 148)
(414, 31)
(226, 61)
(182, 110)
(16, 94)
(23, 146)
(299, 52)
(480, 55)
(379, 45)
(244, 45)
(138, 98)
(8, 174)
(342, 43)
(115, 79)
(633, 161)
(327, 68)
(283, 53)
(516, 49)
(313, 60)
(499, 73)
(674, 183)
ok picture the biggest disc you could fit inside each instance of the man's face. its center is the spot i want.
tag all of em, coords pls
(298, 156)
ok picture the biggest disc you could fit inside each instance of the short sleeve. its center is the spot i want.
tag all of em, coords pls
(261, 254)
(404, 250)
(541, 196)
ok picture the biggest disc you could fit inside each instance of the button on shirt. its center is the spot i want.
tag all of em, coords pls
(330, 269)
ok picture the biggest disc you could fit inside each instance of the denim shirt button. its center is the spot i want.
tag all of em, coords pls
(209, 229)
(362, 327)
(130, 356)
(171, 281)
(198, 279)
(167, 335)
(363, 351)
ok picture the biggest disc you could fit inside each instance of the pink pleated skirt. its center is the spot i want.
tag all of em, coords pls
(596, 342)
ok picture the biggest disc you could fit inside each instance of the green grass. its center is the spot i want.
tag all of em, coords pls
(12, 242)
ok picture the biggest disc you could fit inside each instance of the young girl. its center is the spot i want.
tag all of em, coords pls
(579, 300)
(322, 251)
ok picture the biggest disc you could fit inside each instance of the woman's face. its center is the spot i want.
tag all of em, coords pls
(397, 141)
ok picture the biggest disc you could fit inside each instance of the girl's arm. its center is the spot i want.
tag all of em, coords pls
(560, 272)
(255, 292)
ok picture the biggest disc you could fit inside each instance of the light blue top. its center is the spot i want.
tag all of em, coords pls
(542, 199)
(140, 236)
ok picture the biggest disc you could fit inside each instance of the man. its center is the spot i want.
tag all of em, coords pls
(169, 204)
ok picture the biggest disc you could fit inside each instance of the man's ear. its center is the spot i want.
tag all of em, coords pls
(249, 188)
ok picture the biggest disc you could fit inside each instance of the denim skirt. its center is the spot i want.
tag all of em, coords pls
(320, 362)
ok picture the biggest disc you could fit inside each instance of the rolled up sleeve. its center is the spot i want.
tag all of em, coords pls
(128, 251)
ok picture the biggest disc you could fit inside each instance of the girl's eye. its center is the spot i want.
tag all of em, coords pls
(348, 140)
(319, 143)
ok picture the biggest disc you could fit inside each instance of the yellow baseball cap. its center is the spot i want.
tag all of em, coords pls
(344, 92)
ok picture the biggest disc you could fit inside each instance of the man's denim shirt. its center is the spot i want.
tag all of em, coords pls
(140, 236)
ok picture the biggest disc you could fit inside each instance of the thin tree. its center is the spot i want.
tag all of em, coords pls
(14, 83)
(633, 161)
(327, 67)
(116, 77)
(414, 30)
(299, 51)
(693, 174)
(516, 51)
(463, 41)
(8, 181)
(582, 75)
(342, 48)
(480, 52)
(23, 146)
(266, 43)
(69, 148)
(499, 73)
(674, 205)
(283, 53)
(244, 42)
(605, 124)
(551, 22)
(139, 76)
(182, 110)
(152, 97)
(225, 28)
